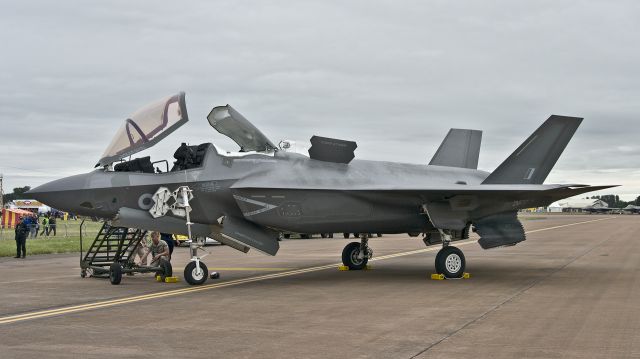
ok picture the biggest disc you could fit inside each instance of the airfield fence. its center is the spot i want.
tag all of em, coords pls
(64, 229)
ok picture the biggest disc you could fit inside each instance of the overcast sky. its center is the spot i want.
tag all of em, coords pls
(393, 76)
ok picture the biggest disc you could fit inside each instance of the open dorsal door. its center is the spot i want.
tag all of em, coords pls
(229, 122)
(146, 127)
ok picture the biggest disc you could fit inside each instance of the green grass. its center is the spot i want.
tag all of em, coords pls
(67, 239)
(42, 246)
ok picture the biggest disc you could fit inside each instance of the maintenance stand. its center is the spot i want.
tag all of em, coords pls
(111, 254)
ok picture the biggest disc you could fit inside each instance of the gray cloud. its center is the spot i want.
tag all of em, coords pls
(392, 76)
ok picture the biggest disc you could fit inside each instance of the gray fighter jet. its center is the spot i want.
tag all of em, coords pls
(245, 199)
(631, 209)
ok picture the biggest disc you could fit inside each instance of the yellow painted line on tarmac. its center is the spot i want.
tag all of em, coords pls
(175, 292)
(169, 293)
(254, 269)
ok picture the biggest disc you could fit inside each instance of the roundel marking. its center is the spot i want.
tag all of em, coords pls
(145, 201)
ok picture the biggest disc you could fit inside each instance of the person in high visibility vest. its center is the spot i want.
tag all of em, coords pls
(45, 225)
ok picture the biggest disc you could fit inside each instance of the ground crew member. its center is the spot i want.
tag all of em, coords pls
(159, 250)
(21, 238)
(45, 225)
(168, 238)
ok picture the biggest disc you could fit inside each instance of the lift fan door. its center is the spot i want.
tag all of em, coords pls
(229, 122)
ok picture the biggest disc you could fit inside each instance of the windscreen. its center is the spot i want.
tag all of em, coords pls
(145, 127)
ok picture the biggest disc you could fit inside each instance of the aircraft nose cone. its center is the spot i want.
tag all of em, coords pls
(61, 193)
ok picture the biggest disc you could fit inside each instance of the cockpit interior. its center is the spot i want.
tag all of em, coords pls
(147, 126)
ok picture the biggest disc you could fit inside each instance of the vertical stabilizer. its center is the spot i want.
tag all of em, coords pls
(533, 160)
(461, 148)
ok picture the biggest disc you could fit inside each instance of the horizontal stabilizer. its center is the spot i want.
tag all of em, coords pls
(498, 230)
(460, 148)
(533, 160)
(331, 149)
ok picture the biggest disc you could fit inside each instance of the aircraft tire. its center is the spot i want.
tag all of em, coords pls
(115, 273)
(450, 261)
(350, 257)
(190, 273)
(346, 235)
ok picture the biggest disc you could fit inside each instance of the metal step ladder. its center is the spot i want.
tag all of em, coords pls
(111, 245)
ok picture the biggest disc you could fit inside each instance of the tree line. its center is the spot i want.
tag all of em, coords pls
(18, 193)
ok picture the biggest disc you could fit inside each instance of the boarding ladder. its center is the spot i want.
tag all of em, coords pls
(112, 244)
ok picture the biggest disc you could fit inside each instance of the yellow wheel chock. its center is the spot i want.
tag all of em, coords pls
(343, 267)
(167, 279)
(436, 276)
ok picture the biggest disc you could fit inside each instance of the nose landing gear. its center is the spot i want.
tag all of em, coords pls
(196, 272)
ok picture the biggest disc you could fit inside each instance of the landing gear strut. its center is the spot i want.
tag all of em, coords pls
(450, 260)
(196, 272)
(356, 255)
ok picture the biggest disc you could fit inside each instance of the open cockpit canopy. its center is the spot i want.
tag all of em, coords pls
(146, 127)
(229, 122)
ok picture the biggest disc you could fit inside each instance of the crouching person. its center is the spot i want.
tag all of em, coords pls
(159, 250)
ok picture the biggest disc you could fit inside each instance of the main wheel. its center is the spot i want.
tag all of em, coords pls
(451, 262)
(115, 273)
(350, 258)
(193, 276)
(166, 270)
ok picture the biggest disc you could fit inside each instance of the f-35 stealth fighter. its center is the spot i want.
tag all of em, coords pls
(245, 199)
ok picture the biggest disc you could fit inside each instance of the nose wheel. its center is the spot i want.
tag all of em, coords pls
(450, 262)
(196, 273)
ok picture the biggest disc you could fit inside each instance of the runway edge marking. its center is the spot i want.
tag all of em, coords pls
(144, 297)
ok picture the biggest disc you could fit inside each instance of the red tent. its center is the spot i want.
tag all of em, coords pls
(10, 216)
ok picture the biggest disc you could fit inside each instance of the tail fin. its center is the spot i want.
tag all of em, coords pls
(461, 148)
(534, 159)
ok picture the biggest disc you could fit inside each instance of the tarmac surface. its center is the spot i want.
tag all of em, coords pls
(571, 290)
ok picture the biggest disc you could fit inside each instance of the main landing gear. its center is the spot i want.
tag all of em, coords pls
(356, 255)
(450, 260)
